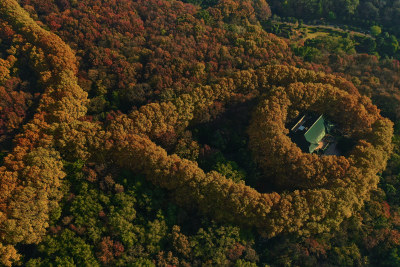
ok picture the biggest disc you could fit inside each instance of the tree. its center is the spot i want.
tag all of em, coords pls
(376, 30)
(367, 45)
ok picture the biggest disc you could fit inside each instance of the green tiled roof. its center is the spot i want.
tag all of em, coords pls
(312, 148)
(315, 133)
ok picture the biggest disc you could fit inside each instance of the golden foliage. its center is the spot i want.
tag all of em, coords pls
(332, 187)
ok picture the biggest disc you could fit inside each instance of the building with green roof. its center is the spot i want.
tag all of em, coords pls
(308, 133)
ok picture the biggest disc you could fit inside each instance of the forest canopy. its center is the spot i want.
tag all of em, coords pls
(154, 133)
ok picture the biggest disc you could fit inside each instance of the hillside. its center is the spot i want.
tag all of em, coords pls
(156, 133)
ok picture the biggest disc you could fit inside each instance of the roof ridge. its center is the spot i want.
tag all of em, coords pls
(313, 124)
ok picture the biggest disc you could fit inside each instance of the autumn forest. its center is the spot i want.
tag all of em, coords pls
(175, 133)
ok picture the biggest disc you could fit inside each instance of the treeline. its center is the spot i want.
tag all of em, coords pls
(372, 17)
(345, 54)
(30, 177)
(125, 187)
(18, 92)
(114, 217)
(208, 190)
(155, 50)
(34, 167)
(368, 12)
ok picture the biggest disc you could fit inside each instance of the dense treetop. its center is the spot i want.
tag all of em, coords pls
(148, 133)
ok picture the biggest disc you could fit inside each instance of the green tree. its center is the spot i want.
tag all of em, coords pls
(367, 45)
(376, 30)
(230, 170)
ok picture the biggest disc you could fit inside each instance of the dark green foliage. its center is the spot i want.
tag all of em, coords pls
(133, 53)
(2, 156)
(202, 3)
(64, 249)
(230, 170)
(307, 52)
(333, 44)
(141, 223)
(367, 45)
